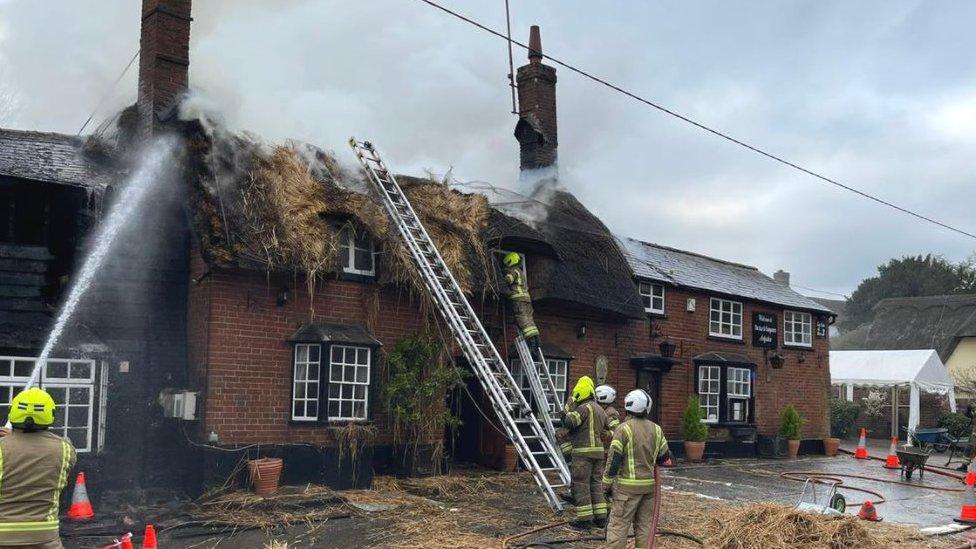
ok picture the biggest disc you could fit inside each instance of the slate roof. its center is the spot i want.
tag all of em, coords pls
(902, 323)
(690, 270)
(324, 332)
(48, 157)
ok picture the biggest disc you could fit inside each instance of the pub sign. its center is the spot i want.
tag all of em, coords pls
(764, 330)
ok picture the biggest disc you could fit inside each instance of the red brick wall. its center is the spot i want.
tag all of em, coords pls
(241, 358)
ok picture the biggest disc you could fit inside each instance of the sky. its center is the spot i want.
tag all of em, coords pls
(880, 95)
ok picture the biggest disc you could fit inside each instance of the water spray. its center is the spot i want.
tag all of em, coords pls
(153, 162)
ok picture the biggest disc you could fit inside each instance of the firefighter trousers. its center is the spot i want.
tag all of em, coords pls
(587, 488)
(53, 544)
(525, 318)
(627, 509)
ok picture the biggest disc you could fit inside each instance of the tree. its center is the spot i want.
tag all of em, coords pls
(910, 276)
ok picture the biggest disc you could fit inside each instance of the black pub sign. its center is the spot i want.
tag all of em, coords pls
(764, 330)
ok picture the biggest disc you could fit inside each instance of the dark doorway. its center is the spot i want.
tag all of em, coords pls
(650, 381)
(465, 441)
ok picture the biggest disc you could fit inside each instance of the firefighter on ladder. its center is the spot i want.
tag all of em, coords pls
(518, 295)
(34, 466)
(586, 424)
(638, 446)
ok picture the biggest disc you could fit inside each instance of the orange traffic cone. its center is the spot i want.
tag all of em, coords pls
(971, 473)
(149, 538)
(892, 461)
(868, 512)
(81, 508)
(968, 513)
(862, 449)
(125, 542)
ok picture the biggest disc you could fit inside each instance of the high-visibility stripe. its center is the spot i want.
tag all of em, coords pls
(600, 506)
(1, 472)
(629, 447)
(607, 480)
(612, 422)
(38, 526)
(588, 449)
(636, 481)
(617, 446)
(592, 422)
(62, 481)
(530, 331)
(573, 418)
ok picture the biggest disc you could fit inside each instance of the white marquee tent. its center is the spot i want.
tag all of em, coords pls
(920, 370)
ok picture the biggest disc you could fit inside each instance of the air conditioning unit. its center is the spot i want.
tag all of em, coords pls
(179, 404)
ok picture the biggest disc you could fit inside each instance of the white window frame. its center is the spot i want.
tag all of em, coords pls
(738, 389)
(650, 297)
(797, 319)
(308, 380)
(725, 307)
(47, 381)
(337, 379)
(710, 391)
(347, 236)
(559, 378)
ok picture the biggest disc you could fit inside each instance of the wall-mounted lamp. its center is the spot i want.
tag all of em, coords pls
(282, 296)
(801, 358)
(776, 361)
(581, 331)
(667, 348)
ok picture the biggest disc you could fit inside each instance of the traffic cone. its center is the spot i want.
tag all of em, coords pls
(971, 473)
(149, 537)
(892, 461)
(868, 512)
(968, 513)
(125, 542)
(862, 449)
(81, 508)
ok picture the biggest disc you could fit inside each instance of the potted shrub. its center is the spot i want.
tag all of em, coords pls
(693, 430)
(789, 427)
(843, 414)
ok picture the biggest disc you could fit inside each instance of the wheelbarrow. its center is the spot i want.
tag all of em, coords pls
(832, 503)
(912, 458)
(936, 438)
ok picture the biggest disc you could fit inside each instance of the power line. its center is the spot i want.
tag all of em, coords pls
(109, 92)
(820, 291)
(701, 126)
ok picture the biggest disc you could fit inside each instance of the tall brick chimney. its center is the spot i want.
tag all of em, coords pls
(536, 128)
(164, 59)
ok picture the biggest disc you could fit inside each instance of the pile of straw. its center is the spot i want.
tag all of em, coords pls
(283, 208)
(243, 509)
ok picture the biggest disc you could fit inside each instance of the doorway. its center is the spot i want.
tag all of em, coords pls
(650, 381)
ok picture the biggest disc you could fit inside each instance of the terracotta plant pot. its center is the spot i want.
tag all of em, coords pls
(265, 473)
(694, 450)
(830, 446)
(792, 448)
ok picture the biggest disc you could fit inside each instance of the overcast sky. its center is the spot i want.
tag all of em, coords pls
(880, 95)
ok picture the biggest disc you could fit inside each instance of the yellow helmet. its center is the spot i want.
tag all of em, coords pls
(511, 259)
(33, 406)
(583, 390)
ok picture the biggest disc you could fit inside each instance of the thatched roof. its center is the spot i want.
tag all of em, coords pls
(933, 322)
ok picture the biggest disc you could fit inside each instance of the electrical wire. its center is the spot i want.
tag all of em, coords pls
(701, 126)
(109, 92)
(819, 291)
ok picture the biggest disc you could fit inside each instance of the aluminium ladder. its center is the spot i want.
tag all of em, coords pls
(541, 385)
(531, 440)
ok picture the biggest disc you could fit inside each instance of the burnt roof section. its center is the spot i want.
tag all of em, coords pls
(690, 270)
(508, 233)
(591, 271)
(323, 332)
(49, 157)
(903, 323)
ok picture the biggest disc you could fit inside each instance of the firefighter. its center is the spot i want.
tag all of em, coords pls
(34, 465)
(518, 295)
(605, 395)
(638, 446)
(586, 424)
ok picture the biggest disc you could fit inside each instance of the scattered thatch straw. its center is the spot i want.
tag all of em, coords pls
(244, 509)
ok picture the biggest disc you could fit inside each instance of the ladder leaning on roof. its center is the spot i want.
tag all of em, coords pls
(541, 385)
(531, 440)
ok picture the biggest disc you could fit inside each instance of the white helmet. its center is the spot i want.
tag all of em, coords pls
(605, 394)
(638, 402)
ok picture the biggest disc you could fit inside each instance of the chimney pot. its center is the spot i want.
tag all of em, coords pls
(535, 44)
(782, 277)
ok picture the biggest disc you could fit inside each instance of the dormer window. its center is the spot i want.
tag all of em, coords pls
(357, 251)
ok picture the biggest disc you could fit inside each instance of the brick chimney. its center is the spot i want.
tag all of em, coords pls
(536, 128)
(782, 277)
(164, 59)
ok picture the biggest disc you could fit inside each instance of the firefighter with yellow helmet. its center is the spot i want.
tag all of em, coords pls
(34, 466)
(518, 296)
(586, 423)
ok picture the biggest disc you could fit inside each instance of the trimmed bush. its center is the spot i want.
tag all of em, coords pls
(790, 423)
(692, 428)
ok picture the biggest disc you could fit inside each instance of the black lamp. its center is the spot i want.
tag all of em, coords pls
(667, 348)
(776, 361)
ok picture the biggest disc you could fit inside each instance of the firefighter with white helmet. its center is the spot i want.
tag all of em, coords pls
(605, 395)
(34, 466)
(638, 446)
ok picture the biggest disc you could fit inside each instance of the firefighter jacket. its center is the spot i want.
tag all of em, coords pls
(33, 471)
(517, 289)
(586, 425)
(638, 445)
(613, 418)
